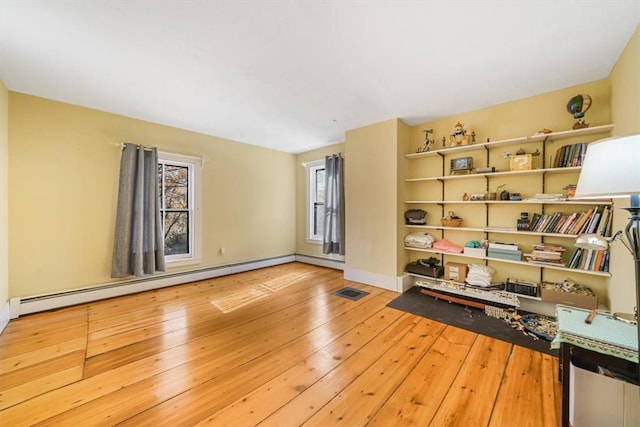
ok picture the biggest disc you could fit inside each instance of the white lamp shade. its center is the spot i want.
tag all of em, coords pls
(592, 241)
(611, 168)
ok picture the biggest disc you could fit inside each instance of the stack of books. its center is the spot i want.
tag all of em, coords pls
(507, 251)
(546, 254)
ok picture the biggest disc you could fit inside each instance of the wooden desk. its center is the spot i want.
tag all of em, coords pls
(605, 346)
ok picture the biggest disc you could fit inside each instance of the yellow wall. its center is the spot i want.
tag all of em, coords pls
(372, 198)
(4, 197)
(64, 162)
(403, 147)
(625, 109)
(514, 119)
(302, 246)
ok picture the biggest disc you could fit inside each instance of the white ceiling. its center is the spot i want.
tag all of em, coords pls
(295, 75)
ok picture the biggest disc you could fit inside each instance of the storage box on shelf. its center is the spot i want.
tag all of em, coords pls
(475, 252)
(455, 271)
(582, 297)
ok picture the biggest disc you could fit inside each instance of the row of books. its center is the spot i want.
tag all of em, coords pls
(590, 259)
(594, 220)
(570, 155)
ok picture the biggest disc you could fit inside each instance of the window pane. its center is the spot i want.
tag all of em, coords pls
(176, 187)
(318, 219)
(176, 233)
(160, 183)
(320, 185)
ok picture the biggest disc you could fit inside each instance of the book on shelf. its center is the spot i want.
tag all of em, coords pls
(594, 220)
(552, 222)
(534, 221)
(560, 223)
(570, 220)
(580, 224)
(575, 258)
(542, 223)
(559, 263)
(548, 247)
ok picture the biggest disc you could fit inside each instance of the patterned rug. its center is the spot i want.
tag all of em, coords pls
(469, 318)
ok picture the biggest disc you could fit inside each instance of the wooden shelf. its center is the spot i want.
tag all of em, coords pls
(494, 230)
(524, 263)
(496, 174)
(556, 136)
(511, 202)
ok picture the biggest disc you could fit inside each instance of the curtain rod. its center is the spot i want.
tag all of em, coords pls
(131, 143)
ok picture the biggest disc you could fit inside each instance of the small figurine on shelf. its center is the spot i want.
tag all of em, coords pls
(461, 136)
(428, 142)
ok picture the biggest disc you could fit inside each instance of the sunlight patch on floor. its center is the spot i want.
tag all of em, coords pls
(236, 300)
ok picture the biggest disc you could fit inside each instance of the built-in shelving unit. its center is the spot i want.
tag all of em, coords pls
(486, 207)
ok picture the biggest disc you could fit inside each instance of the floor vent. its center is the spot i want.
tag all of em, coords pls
(351, 293)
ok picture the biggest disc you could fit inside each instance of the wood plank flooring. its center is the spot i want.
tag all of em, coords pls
(271, 347)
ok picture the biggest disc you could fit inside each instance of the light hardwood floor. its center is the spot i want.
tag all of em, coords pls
(271, 347)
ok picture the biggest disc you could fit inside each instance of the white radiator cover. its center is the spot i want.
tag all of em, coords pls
(26, 305)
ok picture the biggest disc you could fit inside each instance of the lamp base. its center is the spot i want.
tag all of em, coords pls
(626, 318)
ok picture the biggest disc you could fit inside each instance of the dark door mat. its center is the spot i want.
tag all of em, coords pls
(351, 293)
(472, 319)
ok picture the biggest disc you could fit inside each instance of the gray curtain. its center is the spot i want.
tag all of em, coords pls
(139, 244)
(333, 237)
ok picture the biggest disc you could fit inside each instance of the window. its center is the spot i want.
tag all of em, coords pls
(179, 190)
(315, 200)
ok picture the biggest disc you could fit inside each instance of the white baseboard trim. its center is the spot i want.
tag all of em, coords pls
(391, 283)
(5, 316)
(405, 282)
(321, 262)
(26, 305)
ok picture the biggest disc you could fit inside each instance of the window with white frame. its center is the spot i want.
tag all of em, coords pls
(315, 200)
(179, 178)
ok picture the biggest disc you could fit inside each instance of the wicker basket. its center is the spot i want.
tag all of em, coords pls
(451, 220)
(456, 222)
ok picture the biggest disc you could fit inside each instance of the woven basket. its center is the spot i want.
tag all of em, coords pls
(457, 222)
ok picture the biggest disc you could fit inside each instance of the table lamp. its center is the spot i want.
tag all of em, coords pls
(611, 169)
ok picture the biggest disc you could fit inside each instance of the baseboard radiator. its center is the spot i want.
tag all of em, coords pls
(26, 305)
